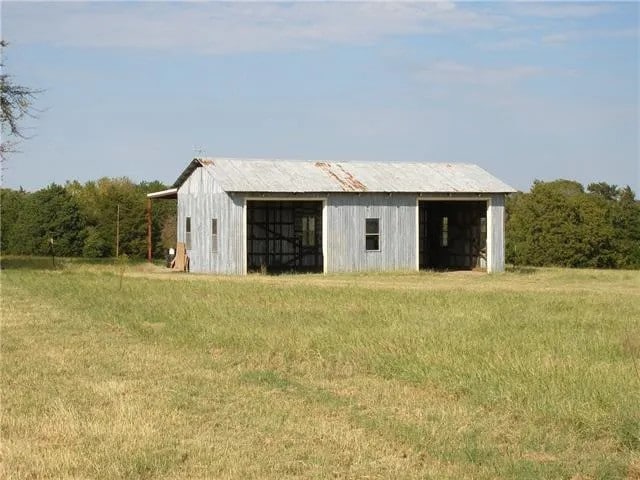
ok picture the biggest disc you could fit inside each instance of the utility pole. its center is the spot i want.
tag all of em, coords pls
(118, 232)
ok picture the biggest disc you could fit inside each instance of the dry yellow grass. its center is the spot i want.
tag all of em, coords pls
(521, 375)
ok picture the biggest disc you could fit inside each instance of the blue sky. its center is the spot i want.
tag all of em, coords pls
(525, 90)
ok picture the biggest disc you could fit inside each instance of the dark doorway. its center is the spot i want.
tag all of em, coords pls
(284, 236)
(452, 234)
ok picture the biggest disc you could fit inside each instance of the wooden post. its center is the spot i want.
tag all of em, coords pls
(53, 253)
(149, 255)
(118, 232)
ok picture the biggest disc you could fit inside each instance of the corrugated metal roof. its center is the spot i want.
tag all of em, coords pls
(293, 176)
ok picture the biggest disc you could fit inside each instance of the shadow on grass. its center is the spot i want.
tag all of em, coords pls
(32, 263)
(18, 262)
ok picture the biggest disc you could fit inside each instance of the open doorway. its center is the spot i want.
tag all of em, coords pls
(284, 236)
(452, 235)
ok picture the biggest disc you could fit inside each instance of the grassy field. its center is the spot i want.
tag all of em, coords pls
(135, 372)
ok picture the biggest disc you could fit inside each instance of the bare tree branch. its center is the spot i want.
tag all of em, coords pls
(16, 102)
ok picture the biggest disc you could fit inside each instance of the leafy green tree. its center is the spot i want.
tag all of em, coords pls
(596, 233)
(114, 206)
(83, 218)
(109, 202)
(50, 213)
(163, 226)
(94, 245)
(604, 190)
(626, 221)
(558, 223)
(59, 218)
(541, 224)
(12, 202)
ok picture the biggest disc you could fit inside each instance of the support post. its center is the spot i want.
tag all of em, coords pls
(149, 255)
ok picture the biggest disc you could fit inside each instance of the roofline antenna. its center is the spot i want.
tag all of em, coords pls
(199, 152)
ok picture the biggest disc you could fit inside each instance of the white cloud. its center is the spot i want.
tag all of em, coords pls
(558, 38)
(223, 27)
(506, 44)
(578, 35)
(218, 28)
(560, 10)
(452, 72)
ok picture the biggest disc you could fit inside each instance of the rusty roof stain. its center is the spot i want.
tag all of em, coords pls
(346, 180)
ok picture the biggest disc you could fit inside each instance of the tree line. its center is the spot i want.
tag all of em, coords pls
(86, 220)
(558, 223)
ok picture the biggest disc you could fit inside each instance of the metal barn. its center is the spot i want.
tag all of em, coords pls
(241, 215)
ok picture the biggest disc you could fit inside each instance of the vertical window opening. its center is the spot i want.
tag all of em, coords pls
(308, 231)
(444, 240)
(372, 234)
(187, 237)
(214, 235)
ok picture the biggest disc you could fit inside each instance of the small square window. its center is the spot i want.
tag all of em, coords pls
(372, 234)
(373, 226)
(373, 242)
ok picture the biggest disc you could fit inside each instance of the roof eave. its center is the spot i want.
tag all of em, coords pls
(327, 192)
(195, 163)
(169, 193)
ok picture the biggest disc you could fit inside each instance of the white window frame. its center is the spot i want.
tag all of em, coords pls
(375, 235)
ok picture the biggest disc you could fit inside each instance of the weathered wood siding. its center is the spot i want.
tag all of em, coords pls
(202, 199)
(495, 234)
(345, 230)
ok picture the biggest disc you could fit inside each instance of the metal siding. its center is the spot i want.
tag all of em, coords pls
(202, 199)
(345, 232)
(232, 214)
(495, 233)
